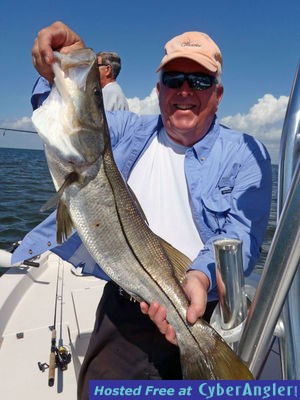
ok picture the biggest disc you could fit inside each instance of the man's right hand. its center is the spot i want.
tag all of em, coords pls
(58, 37)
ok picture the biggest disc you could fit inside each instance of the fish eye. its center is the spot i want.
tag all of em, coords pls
(98, 96)
(97, 92)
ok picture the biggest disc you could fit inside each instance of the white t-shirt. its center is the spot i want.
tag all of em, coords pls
(158, 181)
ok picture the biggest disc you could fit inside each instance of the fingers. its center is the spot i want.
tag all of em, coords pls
(196, 309)
(42, 60)
(195, 287)
(144, 307)
(158, 315)
(57, 36)
(170, 335)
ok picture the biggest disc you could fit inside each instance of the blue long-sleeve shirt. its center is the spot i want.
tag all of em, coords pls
(229, 180)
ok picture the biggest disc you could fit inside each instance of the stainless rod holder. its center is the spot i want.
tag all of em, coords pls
(230, 281)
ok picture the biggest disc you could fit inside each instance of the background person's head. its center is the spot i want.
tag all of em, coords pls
(109, 64)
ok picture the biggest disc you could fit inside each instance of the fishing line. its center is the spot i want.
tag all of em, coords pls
(17, 130)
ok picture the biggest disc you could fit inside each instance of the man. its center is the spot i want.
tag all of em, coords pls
(204, 182)
(109, 64)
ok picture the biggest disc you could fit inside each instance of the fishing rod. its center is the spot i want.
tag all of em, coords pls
(17, 130)
(59, 355)
(51, 373)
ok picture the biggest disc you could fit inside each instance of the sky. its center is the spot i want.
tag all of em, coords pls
(259, 40)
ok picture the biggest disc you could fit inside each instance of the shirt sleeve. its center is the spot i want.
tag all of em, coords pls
(238, 208)
(40, 92)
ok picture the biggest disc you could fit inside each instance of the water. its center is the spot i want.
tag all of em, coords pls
(26, 185)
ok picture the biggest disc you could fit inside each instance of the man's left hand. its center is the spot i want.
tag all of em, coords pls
(195, 287)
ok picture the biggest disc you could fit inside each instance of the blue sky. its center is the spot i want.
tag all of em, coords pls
(259, 40)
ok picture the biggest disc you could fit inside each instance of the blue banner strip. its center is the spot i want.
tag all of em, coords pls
(194, 390)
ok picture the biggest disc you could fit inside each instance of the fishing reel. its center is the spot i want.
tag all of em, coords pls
(63, 357)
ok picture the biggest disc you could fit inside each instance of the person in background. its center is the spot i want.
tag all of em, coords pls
(109, 64)
(196, 180)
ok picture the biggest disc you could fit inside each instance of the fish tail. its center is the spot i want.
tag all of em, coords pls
(220, 363)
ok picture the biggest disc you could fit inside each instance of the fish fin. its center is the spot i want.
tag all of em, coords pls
(63, 219)
(218, 362)
(64, 222)
(51, 203)
(179, 260)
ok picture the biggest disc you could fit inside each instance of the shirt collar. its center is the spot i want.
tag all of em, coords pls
(204, 146)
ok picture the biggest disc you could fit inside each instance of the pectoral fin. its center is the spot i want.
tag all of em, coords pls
(64, 223)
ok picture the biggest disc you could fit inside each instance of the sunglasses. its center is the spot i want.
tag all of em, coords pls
(197, 81)
(103, 65)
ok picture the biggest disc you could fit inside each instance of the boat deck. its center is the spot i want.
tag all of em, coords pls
(27, 308)
(29, 300)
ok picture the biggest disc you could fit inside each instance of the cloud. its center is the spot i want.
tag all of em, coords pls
(148, 105)
(21, 123)
(18, 134)
(264, 121)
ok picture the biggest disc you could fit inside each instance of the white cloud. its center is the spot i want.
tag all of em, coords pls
(264, 121)
(16, 138)
(22, 123)
(148, 105)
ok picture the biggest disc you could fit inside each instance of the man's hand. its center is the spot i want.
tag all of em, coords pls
(195, 287)
(57, 36)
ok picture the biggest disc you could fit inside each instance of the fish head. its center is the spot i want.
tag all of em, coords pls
(71, 122)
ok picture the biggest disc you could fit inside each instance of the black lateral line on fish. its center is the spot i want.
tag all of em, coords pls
(108, 159)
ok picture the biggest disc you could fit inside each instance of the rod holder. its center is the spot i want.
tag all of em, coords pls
(230, 281)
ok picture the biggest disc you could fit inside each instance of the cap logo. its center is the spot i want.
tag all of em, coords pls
(190, 43)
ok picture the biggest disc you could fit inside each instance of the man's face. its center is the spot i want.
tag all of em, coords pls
(102, 72)
(187, 113)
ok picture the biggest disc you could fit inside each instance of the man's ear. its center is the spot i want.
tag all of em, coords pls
(220, 91)
(158, 88)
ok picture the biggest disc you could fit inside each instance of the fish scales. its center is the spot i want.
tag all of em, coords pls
(108, 219)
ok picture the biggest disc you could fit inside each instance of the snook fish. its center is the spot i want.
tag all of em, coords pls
(94, 197)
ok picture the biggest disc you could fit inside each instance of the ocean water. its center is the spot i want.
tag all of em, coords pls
(26, 185)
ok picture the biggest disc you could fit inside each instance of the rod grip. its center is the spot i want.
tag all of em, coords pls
(51, 374)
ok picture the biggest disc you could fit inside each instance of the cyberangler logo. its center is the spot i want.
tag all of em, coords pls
(248, 390)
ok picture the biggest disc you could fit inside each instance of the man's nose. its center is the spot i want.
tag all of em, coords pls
(185, 89)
